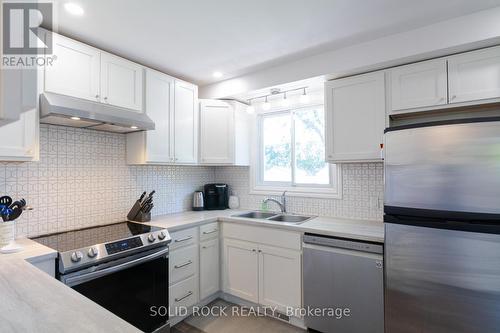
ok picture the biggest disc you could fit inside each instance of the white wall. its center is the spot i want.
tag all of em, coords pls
(460, 34)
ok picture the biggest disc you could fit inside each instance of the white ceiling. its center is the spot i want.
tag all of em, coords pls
(191, 39)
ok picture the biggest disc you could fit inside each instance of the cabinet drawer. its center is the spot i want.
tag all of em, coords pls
(209, 231)
(184, 238)
(182, 263)
(184, 293)
(263, 235)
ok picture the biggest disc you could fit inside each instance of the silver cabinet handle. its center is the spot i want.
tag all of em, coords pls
(96, 96)
(183, 239)
(260, 251)
(254, 250)
(189, 262)
(453, 97)
(183, 297)
(210, 232)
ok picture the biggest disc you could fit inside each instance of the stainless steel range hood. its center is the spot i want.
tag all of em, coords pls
(69, 111)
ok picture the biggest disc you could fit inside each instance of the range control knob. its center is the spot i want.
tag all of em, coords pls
(151, 238)
(162, 235)
(76, 256)
(92, 252)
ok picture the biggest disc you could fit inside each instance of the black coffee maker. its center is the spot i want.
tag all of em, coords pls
(216, 196)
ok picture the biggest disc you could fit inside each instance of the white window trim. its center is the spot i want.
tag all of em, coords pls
(312, 191)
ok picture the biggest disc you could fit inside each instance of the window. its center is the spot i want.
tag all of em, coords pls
(291, 154)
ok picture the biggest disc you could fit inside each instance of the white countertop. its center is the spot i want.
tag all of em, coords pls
(33, 301)
(367, 230)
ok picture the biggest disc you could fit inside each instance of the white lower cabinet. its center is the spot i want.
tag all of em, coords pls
(279, 277)
(183, 295)
(262, 273)
(183, 272)
(257, 264)
(194, 268)
(183, 263)
(209, 268)
(241, 267)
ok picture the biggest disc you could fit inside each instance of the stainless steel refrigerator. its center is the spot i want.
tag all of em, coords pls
(442, 224)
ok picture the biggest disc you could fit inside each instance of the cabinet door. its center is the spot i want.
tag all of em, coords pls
(241, 269)
(216, 132)
(474, 75)
(185, 122)
(355, 118)
(75, 72)
(280, 277)
(159, 105)
(419, 85)
(19, 139)
(209, 268)
(121, 82)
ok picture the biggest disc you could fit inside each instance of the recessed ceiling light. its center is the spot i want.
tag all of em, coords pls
(217, 74)
(133, 127)
(75, 118)
(73, 9)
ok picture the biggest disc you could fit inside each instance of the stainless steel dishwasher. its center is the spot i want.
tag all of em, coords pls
(343, 285)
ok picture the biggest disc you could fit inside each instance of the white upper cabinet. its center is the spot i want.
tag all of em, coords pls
(185, 122)
(355, 118)
(19, 139)
(216, 132)
(85, 72)
(172, 105)
(224, 133)
(159, 105)
(154, 146)
(121, 82)
(76, 70)
(419, 85)
(474, 75)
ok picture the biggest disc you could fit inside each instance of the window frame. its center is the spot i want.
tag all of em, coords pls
(259, 186)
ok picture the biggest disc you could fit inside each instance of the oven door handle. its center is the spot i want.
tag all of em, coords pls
(79, 279)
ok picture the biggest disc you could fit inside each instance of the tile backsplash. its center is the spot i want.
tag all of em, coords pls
(82, 180)
(362, 198)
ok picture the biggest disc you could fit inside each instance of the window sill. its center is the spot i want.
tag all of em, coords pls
(320, 193)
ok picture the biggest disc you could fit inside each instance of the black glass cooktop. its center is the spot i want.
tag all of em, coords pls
(71, 240)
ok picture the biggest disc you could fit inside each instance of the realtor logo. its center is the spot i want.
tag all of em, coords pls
(22, 34)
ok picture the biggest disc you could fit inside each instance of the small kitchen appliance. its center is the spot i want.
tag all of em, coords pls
(122, 266)
(198, 201)
(216, 196)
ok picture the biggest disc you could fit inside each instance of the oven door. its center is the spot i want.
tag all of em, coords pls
(133, 288)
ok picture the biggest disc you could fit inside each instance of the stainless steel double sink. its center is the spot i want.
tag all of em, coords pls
(276, 217)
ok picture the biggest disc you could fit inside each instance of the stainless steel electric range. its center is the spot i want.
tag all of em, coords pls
(123, 267)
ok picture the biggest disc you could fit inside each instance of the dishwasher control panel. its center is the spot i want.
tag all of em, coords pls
(343, 243)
